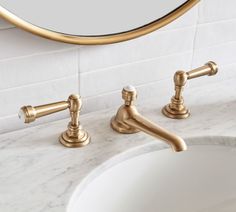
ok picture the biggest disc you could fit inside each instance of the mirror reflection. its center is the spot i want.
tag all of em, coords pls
(91, 18)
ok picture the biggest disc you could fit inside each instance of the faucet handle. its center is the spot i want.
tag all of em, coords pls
(129, 94)
(176, 109)
(75, 135)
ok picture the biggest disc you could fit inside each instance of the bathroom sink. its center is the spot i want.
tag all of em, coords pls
(152, 179)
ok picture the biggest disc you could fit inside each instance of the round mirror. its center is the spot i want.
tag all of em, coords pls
(93, 22)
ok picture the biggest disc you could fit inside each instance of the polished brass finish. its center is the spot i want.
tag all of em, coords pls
(176, 109)
(74, 136)
(97, 40)
(129, 120)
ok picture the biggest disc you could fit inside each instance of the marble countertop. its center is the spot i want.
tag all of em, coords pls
(38, 174)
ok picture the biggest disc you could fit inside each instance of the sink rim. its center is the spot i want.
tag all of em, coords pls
(221, 141)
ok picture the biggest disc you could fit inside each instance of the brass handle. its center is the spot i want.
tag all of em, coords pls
(209, 69)
(74, 136)
(181, 77)
(176, 109)
(30, 113)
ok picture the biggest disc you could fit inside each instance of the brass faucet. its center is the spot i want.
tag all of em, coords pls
(74, 136)
(129, 120)
(176, 109)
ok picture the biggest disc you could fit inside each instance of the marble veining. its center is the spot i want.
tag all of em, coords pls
(38, 174)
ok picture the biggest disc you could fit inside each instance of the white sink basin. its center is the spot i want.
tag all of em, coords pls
(202, 179)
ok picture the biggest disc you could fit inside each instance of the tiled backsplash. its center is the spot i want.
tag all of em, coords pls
(35, 71)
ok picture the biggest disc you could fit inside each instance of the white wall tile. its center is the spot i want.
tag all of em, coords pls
(161, 91)
(222, 54)
(38, 68)
(216, 10)
(227, 72)
(17, 43)
(153, 45)
(216, 33)
(142, 72)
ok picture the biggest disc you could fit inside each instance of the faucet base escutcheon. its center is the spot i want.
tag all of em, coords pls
(122, 128)
(176, 110)
(81, 140)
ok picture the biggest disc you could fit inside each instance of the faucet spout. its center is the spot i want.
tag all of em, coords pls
(141, 123)
(129, 120)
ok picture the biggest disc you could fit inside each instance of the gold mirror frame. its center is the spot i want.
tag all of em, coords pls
(98, 40)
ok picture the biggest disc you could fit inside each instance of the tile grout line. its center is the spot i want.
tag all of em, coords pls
(78, 70)
(195, 37)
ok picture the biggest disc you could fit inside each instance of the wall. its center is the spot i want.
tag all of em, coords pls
(36, 71)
